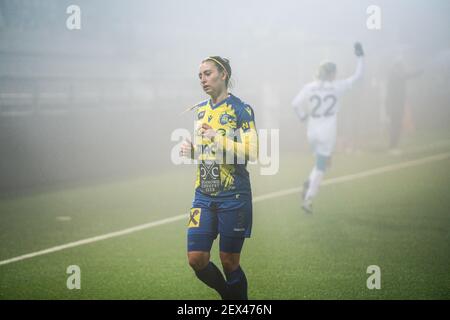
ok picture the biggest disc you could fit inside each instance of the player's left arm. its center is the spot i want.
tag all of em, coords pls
(247, 147)
(346, 84)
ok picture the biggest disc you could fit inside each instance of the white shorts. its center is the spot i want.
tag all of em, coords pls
(322, 140)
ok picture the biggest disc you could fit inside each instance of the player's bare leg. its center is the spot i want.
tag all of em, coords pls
(230, 261)
(198, 260)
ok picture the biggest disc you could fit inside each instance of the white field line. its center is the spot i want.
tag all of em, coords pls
(350, 177)
(432, 145)
(363, 174)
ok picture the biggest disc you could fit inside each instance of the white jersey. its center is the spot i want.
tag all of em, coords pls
(319, 100)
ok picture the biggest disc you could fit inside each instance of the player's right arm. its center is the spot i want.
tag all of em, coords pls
(187, 149)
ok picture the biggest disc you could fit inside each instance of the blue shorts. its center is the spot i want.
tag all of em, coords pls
(231, 218)
(203, 242)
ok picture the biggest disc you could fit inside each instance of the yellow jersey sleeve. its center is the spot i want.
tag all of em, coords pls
(247, 148)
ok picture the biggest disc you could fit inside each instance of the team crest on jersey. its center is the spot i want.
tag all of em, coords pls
(210, 117)
(225, 118)
(201, 114)
(194, 218)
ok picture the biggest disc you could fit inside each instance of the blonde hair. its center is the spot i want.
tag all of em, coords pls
(326, 70)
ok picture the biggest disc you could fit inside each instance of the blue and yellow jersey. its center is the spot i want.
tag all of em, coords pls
(222, 171)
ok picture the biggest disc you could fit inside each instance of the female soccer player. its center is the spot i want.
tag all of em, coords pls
(225, 140)
(318, 101)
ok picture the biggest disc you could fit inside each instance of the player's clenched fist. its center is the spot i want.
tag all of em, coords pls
(187, 149)
(206, 131)
(359, 52)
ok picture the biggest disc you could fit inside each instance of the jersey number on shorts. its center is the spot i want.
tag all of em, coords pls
(329, 101)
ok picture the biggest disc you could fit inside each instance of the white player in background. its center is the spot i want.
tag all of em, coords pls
(318, 104)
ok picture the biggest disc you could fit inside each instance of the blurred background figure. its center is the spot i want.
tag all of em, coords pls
(318, 104)
(395, 101)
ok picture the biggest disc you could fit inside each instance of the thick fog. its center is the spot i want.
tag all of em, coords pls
(101, 101)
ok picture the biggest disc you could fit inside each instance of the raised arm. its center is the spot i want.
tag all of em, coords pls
(346, 84)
